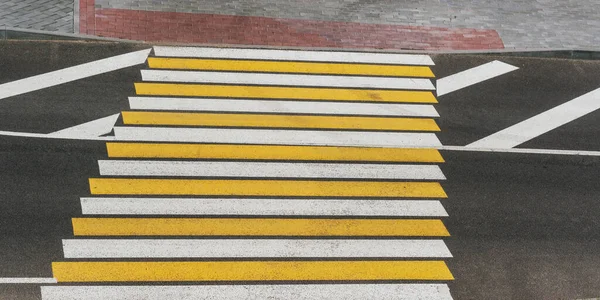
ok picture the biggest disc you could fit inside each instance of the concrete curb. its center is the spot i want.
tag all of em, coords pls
(563, 53)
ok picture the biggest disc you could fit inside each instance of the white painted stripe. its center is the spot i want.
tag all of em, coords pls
(287, 79)
(50, 79)
(241, 292)
(522, 151)
(472, 76)
(253, 248)
(262, 207)
(541, 123)
(268, 169)
(94, 128)
(277, 137)
(32, 280)
(295, 55)
(299, 107)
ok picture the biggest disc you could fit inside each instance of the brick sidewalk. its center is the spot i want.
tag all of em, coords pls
(49, 15)
(248, 30)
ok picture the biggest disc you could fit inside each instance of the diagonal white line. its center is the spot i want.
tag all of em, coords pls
(50, 79)
(472, 76)
(541, 123)
(94, 128)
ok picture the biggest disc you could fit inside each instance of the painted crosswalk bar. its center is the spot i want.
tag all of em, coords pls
(294, 55)
(195, 119)
(248, 292)
(268, 170)
(278, 137)
(257, 227)
(281, 93)
(264, 188)
(271, 152)
(253, 248)
(266, 79)
(261, 207)
(292, 67)
(249, 271)
(282, 107)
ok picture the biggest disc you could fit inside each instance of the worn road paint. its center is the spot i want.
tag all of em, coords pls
(271, 152)
(266, 79)
(256, 227)
(249, 271)
(541, 123)
(54, 78)
(290, 107)
(255, 248)
(472, 76)
(262, 207)
(278, 137)
(268, 170)
(295, 55)
(263, 291)
(277, 121)
(276, 92)
(231, 187)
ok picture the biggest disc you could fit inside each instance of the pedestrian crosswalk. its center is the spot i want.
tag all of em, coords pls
(266, 174)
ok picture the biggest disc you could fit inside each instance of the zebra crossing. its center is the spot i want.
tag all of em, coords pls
(267, 174)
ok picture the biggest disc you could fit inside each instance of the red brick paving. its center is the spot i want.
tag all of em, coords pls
(243, 30)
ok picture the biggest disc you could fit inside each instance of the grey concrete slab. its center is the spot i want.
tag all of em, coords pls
(49, 15)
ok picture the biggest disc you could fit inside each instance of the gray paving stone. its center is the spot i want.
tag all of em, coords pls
(520, 23)
(49, 15)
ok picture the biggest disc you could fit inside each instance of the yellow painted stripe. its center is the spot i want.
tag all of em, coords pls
(272, 92)
(288, 67)
(267, 152)
(249, 271)
(255, 227)
(277, 121)
(307, 188)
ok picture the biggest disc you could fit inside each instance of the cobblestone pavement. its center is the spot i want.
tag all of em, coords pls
(50, 15)
(520, 23)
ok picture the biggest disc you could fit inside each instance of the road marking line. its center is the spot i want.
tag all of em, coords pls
(523, 151)
(299, 188)
(25, 280)
(277, 121)
(274, 106)
(262, 207)
(94, 128)
(278, 137)
(256, 227)
(472, 76)
(288, 67)
(295, 55)
(264, 79)
(270, 152)
(255, 248)
(54, 78)
(250, 271)
(541, 123)
(268, 170)
(228, 292)
(275, 92)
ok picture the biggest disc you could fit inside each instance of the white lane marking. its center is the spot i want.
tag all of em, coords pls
(248, 292)
(278, 137)
(295, 55)
(262, 207)
(268, 169)
(27, 280)
(54, 78)
(47, 136)
(94, 128)
(300, 107)
(252, 248)
(287, 79)
(541, 123)
(522, 151)
(472, 76)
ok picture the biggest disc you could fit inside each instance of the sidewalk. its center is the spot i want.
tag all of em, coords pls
(416, 24)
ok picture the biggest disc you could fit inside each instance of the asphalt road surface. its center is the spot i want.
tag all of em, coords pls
(522, 225)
